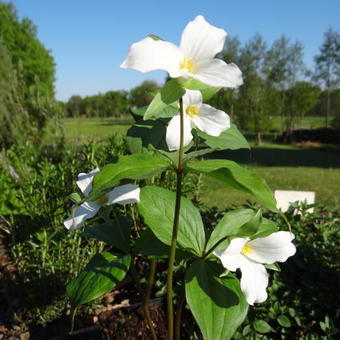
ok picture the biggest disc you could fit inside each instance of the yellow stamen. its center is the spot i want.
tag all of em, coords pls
(246, 249)
(188, 64)
(192, 111)
(103, 199)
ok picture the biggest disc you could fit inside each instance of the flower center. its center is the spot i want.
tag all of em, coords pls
(246, 249)
(192, 111)
(103, 199)
(188, 64)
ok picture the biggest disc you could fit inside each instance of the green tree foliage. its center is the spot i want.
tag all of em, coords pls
(27, 105)
(301, 99)
(141, 95)
(110, 104)
(327, 67)
(36, 64)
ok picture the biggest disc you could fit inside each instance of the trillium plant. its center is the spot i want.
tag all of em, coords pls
(219, 270)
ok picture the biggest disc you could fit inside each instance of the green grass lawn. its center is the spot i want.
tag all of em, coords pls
(284, 167)
(80, 130)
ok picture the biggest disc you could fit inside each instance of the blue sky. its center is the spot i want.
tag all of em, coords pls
(90, 39)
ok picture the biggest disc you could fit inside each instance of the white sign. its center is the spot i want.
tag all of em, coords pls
(285, 197)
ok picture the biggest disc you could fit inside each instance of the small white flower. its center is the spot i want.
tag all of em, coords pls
(123, 194)
(250, 256)
(193, 59)
(203, 116)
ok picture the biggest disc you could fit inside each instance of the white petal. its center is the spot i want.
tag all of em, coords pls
(254, 281)
(217, 73)
(275, 247)
(81, 214)
(85, 181)
(211, 121)
(173, 132)
(192, 97)
(201, 41)
(149, 55)
(124, 194)
(231, 257)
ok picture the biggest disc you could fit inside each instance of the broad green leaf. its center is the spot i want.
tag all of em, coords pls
(171, 91)
(262, 326)
(230, 173)
(164, 102)
(218, 304)
(145, 133)
(116, 233)
(231, 139)
(139, 111)
(149, 245)
(156, 106)
(206, 90)
(284, 321)
(137, 166)
(157, 207)
(100, 275)
(266, 228)
(230, 225)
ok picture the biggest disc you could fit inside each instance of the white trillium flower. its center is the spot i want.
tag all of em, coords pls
(123, 194)
(203, 116)
(250, 255)
(193, 59)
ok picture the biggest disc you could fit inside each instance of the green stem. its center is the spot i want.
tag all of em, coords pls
(147, 294)
(178, 317)
(172, 253)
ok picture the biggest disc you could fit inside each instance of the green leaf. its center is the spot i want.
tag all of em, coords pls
(147, 133)
(262, 326)
(265, 228)
(75, 197)
(116, 233)
(137, 166)
(166, 97)
(156, 106)
(149, 245)
(206, 90)
(154, 37)
(230, 173)
(157, 207)
(231, 139)
(218, 305)
(171, 91)
(230, 225)
(273, 266)
(284, 321)
(139, 111)
(100, 275)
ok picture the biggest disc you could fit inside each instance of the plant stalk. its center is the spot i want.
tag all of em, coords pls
(172, 253)
(178, 317)
(147, 294)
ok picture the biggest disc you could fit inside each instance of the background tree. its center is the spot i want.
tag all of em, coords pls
(327, 67)
(253, 114)
(36, 64)
(141, 95)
